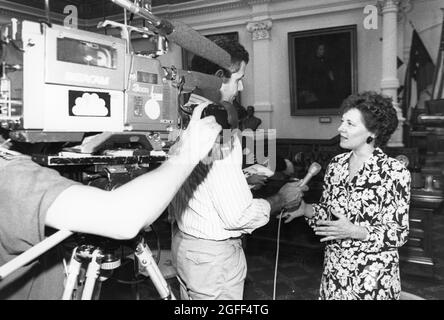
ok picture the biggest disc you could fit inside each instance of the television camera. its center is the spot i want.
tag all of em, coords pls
(64, 85)
(58, 83)
(98, 111)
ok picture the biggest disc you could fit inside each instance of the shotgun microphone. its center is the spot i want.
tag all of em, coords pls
(196, 80)
(193, 41)
(202, 84)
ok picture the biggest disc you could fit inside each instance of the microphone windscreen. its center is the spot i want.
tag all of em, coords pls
(312, 171)
(199, 80)
(209, 93)
(193, 41)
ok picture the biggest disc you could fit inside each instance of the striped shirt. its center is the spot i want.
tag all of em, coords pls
(216, 203)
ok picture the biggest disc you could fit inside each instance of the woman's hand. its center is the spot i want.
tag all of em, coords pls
(341, 228)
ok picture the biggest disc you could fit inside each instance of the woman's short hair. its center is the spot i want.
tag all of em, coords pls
(378, 114)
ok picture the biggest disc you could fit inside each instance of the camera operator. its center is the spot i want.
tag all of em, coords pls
(215, 207)
(33, 197)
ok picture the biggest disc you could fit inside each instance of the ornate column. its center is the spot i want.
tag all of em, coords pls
(389, 81)
(261, 60)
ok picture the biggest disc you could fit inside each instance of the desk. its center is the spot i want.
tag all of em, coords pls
(419, 248)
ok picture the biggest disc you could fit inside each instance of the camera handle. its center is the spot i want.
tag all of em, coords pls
(125, 30)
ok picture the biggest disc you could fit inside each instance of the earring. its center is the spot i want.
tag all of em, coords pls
(369, 140)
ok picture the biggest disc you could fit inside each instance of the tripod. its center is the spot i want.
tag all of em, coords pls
(95, 256)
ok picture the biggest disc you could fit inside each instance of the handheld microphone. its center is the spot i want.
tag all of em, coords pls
(312, 171)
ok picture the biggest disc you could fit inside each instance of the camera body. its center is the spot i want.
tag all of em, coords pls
(68, 82)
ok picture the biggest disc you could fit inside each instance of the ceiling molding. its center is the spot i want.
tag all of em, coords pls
(205, 7)
(198, 7)
(281, 13)
(22, 12)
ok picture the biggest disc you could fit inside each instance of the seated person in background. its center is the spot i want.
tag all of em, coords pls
(33, 197)
(250, 121)
(363, 213)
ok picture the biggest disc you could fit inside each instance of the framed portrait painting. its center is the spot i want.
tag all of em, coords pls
(323, 69)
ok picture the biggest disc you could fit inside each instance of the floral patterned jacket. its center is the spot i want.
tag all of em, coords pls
(377, 198)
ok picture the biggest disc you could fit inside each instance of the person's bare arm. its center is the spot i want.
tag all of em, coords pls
(121, 213)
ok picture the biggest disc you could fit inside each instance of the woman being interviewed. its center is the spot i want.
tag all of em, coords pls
(363, 211)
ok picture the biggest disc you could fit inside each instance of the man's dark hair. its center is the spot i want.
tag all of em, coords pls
(378, 114)
(233, 48)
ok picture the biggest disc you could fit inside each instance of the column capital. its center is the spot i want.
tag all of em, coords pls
(400, 6)
(260, 29)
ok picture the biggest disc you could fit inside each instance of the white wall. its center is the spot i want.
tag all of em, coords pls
(290, 16)
(309, 126)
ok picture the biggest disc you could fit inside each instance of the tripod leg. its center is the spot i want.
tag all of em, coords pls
(73, 273)
(97, 290)
(145, 257)
(92, 274)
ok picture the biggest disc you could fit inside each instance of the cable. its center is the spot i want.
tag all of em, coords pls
(277, 253)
